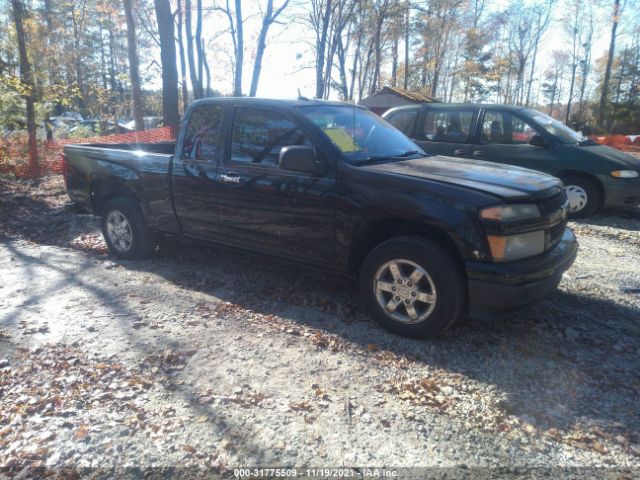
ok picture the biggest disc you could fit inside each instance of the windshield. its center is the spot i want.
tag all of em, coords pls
(360, 134)
(555, 128)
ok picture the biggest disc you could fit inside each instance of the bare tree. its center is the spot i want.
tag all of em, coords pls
(196, 81)
(27, 84)
(543, 16)
(236, 30)
(199, 49)
(321, 12)
(168, 60)
(585, 60)
(237, 78)
(268, 19)
(607, 73)
(134, 69)
(183, 62)
(407, 33)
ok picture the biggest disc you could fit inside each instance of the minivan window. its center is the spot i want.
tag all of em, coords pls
(555, 128)
(203, 133)
(259, 134)
(403, 120)
(452, 126)
(505, 128)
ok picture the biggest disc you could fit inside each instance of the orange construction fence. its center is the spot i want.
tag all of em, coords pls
(14, 152)
(621, 142)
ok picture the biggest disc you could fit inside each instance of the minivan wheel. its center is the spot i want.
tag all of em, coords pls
(412, 287)
(583, 195)
(125, 230)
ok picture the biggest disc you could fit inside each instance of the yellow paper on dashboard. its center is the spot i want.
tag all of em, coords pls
(342, 140)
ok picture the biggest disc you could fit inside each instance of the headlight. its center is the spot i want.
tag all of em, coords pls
(624, 174)
(506, 248)
(510, 213)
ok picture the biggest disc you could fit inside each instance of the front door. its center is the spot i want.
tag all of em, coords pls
(505, 137)
(446, 131)
(263, 206)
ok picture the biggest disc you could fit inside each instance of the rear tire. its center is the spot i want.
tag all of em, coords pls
(125, 229)
(413, 287)
(584, 196)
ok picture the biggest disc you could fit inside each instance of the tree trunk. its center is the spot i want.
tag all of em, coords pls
(199, 48)
(28, 84)
(342, 67)
(607, 73)
(320, 50)
(533, 67)
(262, 44)
(406, 47)
(168, 59)
(190, 54)
(134, 71)
(237, 77)
(569, 101)
(77, 60)
(183, 62)
(207, 71)
(394, 62)
(356, 60)
(375, 78)
(574, 66)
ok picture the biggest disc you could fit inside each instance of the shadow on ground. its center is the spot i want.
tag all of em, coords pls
(568, 360)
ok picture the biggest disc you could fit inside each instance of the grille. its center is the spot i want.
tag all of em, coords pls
(554, 234)
(553, 204)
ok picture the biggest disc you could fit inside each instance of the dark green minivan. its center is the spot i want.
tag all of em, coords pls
(595, 176)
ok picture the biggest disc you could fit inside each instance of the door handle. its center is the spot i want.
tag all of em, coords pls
(478, 153)
(460, 151)
(230, 178)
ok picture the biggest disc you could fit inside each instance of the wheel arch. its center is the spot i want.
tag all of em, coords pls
(588, 176)
(375, 231)
(105, 189)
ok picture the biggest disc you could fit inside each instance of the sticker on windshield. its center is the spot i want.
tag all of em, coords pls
(342, 140)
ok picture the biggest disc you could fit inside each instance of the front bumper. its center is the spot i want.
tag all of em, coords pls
(505, 286)
(622, 192)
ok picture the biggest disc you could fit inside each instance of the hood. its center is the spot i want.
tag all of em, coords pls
(505, 181)
(619, 157)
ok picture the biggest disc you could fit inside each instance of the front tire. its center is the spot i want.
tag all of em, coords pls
(125, 229)
(584, 196)
(413, 287)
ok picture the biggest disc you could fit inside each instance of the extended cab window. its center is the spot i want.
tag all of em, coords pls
(203, 133)
(259, 135)
(504, 128)
(452, 126)
(403, 120)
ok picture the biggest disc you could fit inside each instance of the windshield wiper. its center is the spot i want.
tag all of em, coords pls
(408, 153)
(381, 158)
(586, 142)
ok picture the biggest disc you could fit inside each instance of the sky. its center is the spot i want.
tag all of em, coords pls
(289, 58)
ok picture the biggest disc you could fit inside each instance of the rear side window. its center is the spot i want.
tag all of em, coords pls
(504, 128)
(403, 120)
(259, 135)
(202, 136)
(453, 126)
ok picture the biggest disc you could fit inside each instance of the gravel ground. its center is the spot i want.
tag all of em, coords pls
(208, 358)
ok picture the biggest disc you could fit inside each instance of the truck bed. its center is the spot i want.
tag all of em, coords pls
(96, 172)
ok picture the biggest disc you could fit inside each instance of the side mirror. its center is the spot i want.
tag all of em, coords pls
(300, 158)
(538, 141)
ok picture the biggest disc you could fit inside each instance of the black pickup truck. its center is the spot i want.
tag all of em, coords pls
(334, 186)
